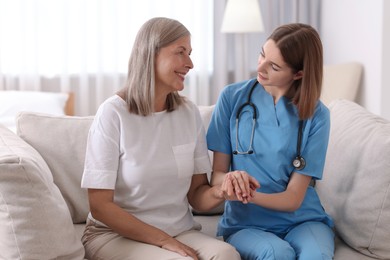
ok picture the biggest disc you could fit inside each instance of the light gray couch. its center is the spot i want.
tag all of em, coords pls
(43, 208)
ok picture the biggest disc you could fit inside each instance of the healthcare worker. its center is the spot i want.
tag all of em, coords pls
(275, 129)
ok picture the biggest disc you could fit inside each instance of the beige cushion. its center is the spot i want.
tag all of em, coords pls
(61, 140)
(31, 206)
(344, 252)
(355, 187)
(341, 81)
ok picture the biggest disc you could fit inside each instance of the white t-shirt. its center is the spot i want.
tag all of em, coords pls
(148, 161)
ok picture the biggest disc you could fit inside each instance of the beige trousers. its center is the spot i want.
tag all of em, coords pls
(101, 243)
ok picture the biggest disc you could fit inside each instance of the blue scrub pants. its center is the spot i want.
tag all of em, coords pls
(308, 241)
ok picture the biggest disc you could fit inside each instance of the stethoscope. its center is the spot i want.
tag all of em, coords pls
(299, 162)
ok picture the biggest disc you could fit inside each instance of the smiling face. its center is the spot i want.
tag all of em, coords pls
(273, 72)
(173, 62)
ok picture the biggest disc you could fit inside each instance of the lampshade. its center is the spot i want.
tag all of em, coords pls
(242, 16)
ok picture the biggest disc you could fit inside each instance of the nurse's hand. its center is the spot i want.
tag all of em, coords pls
(239, 185)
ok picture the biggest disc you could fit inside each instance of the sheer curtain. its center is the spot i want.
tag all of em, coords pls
(274, 13)
(83, 46)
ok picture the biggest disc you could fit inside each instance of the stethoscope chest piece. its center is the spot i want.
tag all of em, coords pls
(299, 163)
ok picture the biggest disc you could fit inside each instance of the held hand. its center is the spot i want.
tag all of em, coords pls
(174, 245)
(227, 189)
(239, 185)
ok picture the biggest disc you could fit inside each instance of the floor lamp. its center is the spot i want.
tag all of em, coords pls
(240, 18)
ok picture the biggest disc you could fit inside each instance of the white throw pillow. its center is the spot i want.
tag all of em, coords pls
(61, 140)
(34, 219)
(12, 102)
(355, 189)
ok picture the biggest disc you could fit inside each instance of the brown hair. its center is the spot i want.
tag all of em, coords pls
(301, 48)
(139, 90)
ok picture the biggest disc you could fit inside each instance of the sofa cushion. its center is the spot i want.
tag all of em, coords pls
(341, 81)
(355, 186)
(31, 206)
(61, 140)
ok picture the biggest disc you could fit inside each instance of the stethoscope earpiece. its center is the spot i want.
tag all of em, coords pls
(237, 152)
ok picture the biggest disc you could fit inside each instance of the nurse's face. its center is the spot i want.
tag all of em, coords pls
(272, 71)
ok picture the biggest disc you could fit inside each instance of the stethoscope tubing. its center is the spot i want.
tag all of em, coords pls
(299, 162)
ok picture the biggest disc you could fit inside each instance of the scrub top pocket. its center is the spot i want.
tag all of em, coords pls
(184, 156)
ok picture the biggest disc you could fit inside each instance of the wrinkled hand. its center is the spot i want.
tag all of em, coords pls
(174, 245)
(239, 185)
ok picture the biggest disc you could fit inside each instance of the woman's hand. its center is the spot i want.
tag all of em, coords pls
(105, 210)
(239, 185)
(174, 245)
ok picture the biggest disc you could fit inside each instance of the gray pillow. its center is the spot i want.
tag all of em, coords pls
(355, 189)
(31, 206)
(61, 140)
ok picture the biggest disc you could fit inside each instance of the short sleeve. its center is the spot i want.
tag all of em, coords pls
(315, 143)
(103, 152)
(218, 134)
(201, 156)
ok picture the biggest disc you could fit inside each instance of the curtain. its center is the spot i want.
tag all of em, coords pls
(83, 46)
(274, 13)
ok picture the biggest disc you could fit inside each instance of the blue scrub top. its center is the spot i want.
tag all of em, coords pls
(275, 147)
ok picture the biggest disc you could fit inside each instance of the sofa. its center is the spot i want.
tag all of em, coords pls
(43, 209)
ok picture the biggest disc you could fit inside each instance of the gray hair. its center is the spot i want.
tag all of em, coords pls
(139, 91)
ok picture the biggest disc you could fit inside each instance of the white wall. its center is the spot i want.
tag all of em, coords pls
(385, 101)
(358, 30)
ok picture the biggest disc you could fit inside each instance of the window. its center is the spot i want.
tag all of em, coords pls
(69, 39)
